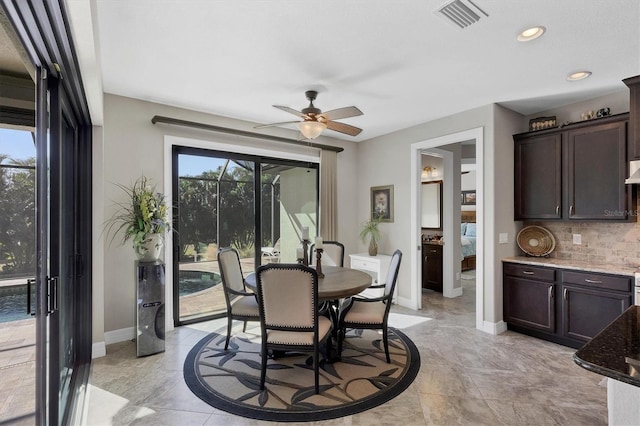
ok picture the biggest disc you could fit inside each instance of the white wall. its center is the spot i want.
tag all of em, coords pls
(134, 146)
(386, 160)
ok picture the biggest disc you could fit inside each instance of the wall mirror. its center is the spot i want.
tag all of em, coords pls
(432, 205)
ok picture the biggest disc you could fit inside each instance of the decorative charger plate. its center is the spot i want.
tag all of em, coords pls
(536, 240)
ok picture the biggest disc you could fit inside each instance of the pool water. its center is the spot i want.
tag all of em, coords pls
(195, 281)
(13, 303)
(13, 299)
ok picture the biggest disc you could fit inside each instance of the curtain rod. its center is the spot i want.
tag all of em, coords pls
(195, 125)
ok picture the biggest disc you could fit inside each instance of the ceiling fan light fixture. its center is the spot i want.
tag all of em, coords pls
(531, 33)
(311, 129)
(578, 75)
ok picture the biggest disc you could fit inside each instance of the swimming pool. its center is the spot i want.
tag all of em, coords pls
(13, 299)
(195, 281)
(13, 302)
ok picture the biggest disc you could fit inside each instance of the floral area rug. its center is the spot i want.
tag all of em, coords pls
(230, 380)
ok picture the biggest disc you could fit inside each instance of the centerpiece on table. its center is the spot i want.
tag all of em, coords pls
(143, 218)
(370, 229)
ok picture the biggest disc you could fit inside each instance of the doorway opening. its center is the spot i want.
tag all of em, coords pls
(450, 148)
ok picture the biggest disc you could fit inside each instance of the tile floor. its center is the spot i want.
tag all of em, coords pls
(17, 372)
(466, 377)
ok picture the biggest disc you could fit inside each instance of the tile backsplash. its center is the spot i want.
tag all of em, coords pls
(610, 243)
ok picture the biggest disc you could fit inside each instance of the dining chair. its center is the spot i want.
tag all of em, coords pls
(242, 305)
(287, 295)
(370, 313)
(332, 255)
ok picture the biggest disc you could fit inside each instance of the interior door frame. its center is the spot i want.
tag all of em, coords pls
(417, 148)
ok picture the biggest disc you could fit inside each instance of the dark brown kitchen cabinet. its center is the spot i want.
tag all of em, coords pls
(596, 170)
(564, 306)
(529, 297)
(634, 117)
(432, 267)
(574, 173)
(538, 176)
(591, 301)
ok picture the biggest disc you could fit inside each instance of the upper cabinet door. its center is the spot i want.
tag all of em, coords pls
(595, 172)
(634, 117)
(538, 176)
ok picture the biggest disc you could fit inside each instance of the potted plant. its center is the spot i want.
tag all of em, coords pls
(142, 218)
(370, 229)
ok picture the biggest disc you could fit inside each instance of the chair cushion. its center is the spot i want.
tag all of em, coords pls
(299, 337)
(246, 306)
(365, 313)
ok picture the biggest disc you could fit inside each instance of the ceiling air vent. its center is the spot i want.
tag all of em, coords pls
(461, 13)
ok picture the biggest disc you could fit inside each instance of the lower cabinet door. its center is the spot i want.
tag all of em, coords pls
(530, 303)
(432, 267)
(586, 311)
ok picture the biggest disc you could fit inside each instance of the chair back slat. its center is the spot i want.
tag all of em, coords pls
(333, 254)
(392, 275)
(288, 295)
(230, 269)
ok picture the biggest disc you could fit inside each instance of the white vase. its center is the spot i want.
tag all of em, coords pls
(150, 248)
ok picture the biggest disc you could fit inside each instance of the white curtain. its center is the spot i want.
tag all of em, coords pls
(328, 195)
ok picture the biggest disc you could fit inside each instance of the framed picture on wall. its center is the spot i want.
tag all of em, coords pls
(468, 198)
(382, 203)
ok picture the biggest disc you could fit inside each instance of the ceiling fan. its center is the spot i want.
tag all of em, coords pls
(314, 121)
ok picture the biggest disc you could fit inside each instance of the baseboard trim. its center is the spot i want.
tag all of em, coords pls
(121, 335)
(454, 292)
(494, 327)
(98, 350)
(407, 303)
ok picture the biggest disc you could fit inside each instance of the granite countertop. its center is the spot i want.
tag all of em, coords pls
(574, 264)
(615, 351)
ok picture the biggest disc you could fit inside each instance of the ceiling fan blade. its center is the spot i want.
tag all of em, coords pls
(346, 112)
(343, 128)
(275, 124)
(290, 111)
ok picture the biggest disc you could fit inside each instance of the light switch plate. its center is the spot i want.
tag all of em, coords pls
(503, 238)
(577, 239)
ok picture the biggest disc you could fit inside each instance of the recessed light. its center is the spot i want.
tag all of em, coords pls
(578, 75)
(531, 33)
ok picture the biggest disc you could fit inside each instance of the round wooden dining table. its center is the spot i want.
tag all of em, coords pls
(337, 282)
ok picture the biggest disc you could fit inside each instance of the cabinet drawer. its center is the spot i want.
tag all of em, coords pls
(610, 282)
(363, 264)
(531, 272)
(432, 249)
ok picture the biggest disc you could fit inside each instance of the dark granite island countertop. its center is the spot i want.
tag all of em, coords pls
(615, 351)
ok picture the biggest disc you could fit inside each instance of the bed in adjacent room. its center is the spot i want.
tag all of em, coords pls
(468, 240)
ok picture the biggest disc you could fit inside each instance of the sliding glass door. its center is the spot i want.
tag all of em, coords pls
(221, 199)
(289, 203)
(62, 231)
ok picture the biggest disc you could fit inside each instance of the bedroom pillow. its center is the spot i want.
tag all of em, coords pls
(463, 228)
(471, 230)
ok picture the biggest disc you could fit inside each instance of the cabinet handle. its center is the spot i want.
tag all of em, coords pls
(571, 210)
(528, 272)
(592, 281)
(564, 294)
(557, 210)
(550, 292)
(433, 251)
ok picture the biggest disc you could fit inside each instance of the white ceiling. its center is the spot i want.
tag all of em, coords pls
(397, 61)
